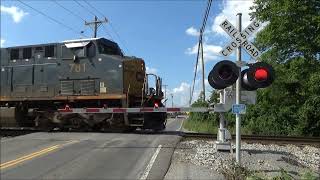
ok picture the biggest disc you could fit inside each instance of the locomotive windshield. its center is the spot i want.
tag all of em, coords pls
(109, 48)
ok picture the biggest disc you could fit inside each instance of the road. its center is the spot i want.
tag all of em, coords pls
(174, 124)
(88, 155)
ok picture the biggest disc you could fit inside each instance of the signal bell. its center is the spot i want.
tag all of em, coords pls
(223, 74)
(258, 75)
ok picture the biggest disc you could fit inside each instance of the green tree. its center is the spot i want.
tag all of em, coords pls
(291, 43)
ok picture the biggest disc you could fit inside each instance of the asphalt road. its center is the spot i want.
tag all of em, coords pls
(174, 124)
(88, 155)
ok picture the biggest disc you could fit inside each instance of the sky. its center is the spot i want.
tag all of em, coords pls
(163, 33)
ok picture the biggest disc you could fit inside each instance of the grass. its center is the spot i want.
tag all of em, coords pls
(197, 125)
(210, 124)
(232, 171)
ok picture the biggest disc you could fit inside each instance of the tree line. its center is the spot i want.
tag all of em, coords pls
(290, 42)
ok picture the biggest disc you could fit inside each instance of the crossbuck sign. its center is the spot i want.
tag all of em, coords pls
(240, 38)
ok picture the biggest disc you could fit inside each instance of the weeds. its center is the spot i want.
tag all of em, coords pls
(231, 170)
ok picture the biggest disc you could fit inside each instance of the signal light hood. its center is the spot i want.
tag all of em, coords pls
(223, 74)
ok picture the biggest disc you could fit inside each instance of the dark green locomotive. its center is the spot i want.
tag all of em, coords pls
(37, 80)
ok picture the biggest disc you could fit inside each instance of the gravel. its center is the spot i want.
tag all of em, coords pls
(267, 159)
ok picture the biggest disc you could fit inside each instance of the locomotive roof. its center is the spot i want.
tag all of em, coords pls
(66, 41)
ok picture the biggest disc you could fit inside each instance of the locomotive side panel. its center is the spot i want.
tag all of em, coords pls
(98, 74)
(26, 72)
(51, 71)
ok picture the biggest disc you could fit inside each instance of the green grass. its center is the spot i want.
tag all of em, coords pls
(200, 126)
(210, 124)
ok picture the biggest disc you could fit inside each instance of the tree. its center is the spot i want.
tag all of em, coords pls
(291, 43)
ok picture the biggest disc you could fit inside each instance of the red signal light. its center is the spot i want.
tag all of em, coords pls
(261, 74)
(258, 75)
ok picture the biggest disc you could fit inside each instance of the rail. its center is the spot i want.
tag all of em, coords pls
(296, 140)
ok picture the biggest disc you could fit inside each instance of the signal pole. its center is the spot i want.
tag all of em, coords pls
(238, 95)
(96, 23)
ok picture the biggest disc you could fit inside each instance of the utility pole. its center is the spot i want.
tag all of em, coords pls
(203, 83)
(96, 23)
(171, 100)
(190, 96)
(238, 95)
(165, 93)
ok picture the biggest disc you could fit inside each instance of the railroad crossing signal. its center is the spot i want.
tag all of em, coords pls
(240, 39)
(258, 75)
(225, 73)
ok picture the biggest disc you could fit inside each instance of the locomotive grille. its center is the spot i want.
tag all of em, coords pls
(87, 87)
(66, 87)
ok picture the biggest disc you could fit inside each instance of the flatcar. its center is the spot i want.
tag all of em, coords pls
(37, 80)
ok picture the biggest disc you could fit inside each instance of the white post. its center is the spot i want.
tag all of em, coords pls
(221, 136)
(238, 95)
(222, 133)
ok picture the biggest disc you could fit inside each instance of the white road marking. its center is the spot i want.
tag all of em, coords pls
(153, 159)
(181, 125)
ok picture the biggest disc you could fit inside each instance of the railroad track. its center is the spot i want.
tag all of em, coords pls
(296, 140)
(16, 131)
(313, 141)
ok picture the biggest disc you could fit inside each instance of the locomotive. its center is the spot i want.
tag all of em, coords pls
(37, 80)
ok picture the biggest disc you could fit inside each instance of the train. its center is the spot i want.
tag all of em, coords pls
(37, 80)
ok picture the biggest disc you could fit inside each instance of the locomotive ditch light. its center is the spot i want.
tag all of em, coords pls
(258, 75)
(223, 74)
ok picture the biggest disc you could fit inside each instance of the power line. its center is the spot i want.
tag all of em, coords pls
(51, 18)
(84, 7)
(76, 15)
(68, 10)
(200, 46)
(112, 27)
(123, 43)
(104, 27)
(99, 12)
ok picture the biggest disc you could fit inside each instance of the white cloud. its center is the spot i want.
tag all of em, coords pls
(151, 70)
(16, 13)
(229, 11)
(192, 31)
(2, 42)
(210, 52)
(183, 87)
(181, 94)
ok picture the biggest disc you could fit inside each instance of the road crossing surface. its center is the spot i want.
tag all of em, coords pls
(63, 155)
